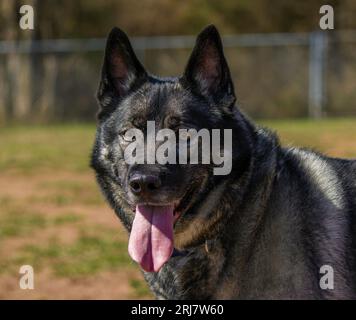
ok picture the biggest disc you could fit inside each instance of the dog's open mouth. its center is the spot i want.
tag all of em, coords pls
(151, 239)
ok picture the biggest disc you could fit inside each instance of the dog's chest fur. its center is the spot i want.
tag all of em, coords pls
(196, 274)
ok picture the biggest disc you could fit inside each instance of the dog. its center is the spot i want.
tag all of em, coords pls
(280, 225)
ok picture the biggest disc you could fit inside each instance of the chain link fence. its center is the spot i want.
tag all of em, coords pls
(276, 75)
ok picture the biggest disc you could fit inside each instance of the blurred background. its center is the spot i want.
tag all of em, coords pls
(289, 75)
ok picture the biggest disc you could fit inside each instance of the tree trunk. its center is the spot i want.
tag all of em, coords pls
(16, 95)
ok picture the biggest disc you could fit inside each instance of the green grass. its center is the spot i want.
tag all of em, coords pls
(65, 198)
(70, 192)
(90, 254)
(20, 222)
(31, 148)
(336, 135)
(140, 288)
(66, 218)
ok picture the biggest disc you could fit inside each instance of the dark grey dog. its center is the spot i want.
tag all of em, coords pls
(282, 224)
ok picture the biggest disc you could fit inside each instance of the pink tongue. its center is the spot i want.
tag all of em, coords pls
(151, 238)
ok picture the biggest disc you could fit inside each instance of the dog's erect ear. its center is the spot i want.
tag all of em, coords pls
(207, 70)
(121, 69)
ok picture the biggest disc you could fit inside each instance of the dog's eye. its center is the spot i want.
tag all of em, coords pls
(126, 138)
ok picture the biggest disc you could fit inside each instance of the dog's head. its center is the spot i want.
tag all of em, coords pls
(155, 200)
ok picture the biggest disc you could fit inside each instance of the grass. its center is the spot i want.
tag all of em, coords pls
(140, 288)
(30, 148)
(51, 210)
(67, 218)
(64, 197)
(89, 254)
(20, 222)
(86, 256)
(16, 223)
(335, 137)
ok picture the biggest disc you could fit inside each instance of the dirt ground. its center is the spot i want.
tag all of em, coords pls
(20, 192)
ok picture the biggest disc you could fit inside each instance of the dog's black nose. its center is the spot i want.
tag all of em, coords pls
(141, 184)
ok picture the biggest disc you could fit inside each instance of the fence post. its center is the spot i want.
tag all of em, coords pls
(317, 67)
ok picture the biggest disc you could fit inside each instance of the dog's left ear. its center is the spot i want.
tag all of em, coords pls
(207, 71)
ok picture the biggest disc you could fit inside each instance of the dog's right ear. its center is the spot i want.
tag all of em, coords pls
(207, 71)
(121, 70)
